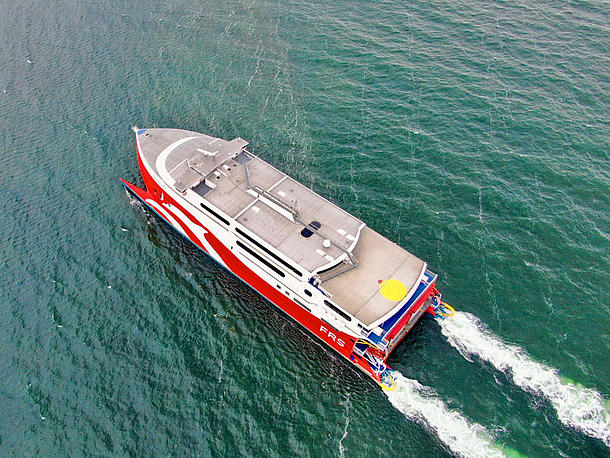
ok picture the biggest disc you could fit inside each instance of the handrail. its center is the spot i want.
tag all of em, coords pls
(295, 214)
(339, 272)
(333, 243)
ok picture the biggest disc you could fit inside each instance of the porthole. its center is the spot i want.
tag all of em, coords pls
(308, 293)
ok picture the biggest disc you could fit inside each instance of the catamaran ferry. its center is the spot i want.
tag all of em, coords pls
(352, 288)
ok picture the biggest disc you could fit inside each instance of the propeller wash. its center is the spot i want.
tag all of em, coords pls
(419, 403)
(578, 407)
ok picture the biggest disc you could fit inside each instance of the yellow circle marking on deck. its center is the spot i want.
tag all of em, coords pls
(393, 290)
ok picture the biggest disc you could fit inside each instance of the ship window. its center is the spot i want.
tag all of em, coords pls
(264, 261)
(307, 232)
(212, 212)
(308, 292)
(301, 304)
(337, 310)
(274, 256)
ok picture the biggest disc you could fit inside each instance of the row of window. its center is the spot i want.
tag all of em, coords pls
(261, 259)
(212, 212)
(330, 305)
(337, 310)
(251, 240)
(273, 255)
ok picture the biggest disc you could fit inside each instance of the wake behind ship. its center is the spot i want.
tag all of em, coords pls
(351, 287)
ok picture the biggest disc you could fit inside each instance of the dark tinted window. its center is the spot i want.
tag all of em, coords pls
(268, 264)
(337, 310)
(307, 232)
(273, 255)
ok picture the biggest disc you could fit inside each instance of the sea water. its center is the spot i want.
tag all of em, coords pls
(473, 134)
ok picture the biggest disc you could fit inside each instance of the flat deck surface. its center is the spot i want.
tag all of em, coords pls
(214, 169)
(378, 259)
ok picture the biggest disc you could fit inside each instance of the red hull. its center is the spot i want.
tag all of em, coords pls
(339, 341)
(167, 208)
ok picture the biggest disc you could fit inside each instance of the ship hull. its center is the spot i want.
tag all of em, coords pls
(316, 327)
(176, 214)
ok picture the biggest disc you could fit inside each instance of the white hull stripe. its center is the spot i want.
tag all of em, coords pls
(166, 215)
(163, 156)
(198, 231)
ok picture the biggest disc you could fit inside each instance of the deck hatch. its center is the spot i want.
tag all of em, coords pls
(202, 189)
(307, 232)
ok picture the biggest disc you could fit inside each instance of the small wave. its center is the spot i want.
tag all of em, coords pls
(132, 199)
(577, 406)
(342, 449)
(419, 403)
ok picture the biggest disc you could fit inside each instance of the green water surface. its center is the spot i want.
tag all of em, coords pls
(473, 133)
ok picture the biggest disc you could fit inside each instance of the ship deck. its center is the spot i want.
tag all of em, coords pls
(276, 208)
(378, 259)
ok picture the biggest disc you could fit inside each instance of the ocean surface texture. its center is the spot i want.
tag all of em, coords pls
(475, 134)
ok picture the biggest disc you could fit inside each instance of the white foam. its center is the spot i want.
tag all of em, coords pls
(576, 406)
(342, 449)
(419, 403)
